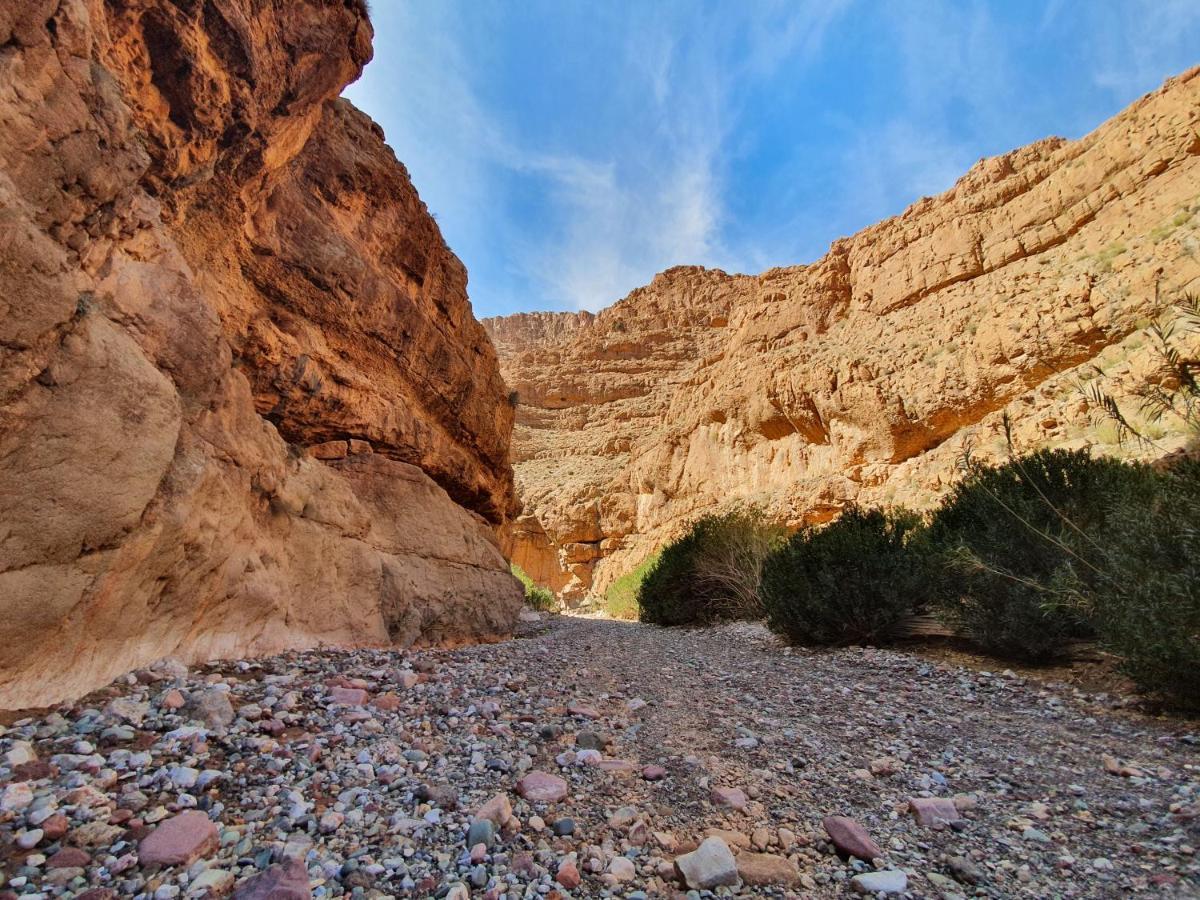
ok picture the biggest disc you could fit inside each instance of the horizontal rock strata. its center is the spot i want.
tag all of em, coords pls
(863, 375)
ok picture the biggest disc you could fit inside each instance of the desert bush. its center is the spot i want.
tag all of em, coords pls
(852, 581)
(710, 573)
(1020, 545)
(1148, 610)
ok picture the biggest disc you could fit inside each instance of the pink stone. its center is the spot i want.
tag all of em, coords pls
(388, 701)
(497, 810)
(850, 838)
(68, 858)
(583, 711)
(348, 696)
(733, 797)
(173, 699)
(542, 787)
(654, 773)
(933, 811)
(287, 880)
(179, 841)
(568, 875)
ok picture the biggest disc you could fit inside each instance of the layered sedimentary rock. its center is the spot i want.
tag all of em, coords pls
(864, 375)
(244, 404)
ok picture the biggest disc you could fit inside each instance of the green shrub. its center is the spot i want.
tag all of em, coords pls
(853, 581)
(537, 597)
(711, 573)
(620, 599)
(1019, 543)
(1148, 611)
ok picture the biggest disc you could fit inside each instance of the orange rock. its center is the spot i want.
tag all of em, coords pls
(210, 262)
(860, 376)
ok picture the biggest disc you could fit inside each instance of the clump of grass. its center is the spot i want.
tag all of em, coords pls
(620, 600)
(540, 598)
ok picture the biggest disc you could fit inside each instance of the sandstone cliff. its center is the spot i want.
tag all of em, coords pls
(244, 404)
(862, 375)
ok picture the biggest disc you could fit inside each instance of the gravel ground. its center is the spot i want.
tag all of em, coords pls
(361, 772)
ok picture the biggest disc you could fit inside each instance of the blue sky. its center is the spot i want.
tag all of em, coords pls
(572, 149)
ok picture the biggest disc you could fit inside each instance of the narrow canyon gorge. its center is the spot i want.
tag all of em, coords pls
(863, 376)
(265, 479)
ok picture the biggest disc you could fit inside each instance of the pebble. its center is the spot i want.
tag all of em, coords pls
(568, 875)
(542, 787)
(212, 707)
(482, 831)
(933, 811)
(709, 866)
(765, 869)
(622, 869)
(731, 797)
(179, 841)
(563, 827)
(850, 838)
(408, 774)
(889, 881)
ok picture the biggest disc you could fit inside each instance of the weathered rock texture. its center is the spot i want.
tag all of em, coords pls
(862, 375)
(244, 405)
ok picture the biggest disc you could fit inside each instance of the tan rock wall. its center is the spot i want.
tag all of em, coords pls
(208, 264)
(861, 376)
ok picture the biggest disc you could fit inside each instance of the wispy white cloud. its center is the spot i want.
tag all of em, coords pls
(677, 110)
(652, 196)
(1126, 50)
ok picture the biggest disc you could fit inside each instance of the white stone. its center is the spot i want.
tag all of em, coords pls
(890, 881)
(708, 866)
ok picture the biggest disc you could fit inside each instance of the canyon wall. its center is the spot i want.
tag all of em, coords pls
(244, 403)
(863, 376)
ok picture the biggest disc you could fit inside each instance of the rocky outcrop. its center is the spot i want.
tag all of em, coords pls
(863, 375)
(244, 404)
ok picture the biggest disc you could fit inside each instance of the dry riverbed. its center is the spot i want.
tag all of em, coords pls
(593, 758)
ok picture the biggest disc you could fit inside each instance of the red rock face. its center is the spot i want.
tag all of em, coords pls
(210, 264)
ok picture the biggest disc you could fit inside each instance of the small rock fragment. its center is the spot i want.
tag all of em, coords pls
(763, 869)
(889, 881)
(933, 811)
(287, 880)
(708, 866)
(542, 787)
(735, 798)
(850, 838)
(179, 841)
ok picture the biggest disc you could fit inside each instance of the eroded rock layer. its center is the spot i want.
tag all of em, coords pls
(244, 404)
(863, 375)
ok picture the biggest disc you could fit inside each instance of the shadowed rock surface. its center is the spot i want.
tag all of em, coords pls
(862, 375)
(244, 404)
